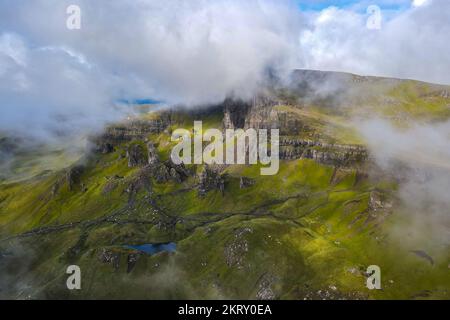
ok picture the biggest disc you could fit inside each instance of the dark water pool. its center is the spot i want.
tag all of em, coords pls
(155, 248)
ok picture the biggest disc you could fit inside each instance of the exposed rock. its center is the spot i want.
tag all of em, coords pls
(235, 112)
(168, 171)
(73, 176)
(142, 180)
(131, 261)
(161, 173)
(112, 183)
(261, 113)
(376, 201)
(111, 257)
(236, 250)
(109, 187)
(210, 179)
(153, 157)
(129, 131)
(104, 148)
(379, 202)
(245, 182)
(265, 291)
(329, 154)
(136, 156)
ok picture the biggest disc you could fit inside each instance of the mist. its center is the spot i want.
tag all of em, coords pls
(57, 81)
(419, 158)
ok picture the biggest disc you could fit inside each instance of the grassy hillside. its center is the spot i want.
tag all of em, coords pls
(309, 232)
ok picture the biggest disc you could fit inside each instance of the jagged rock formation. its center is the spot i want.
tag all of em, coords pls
(132, 259)
(324, 153)
(262, 114)
(110, 257)
(257, 114)
(73, 176)
(153, 157)
(136, 155)
(235, 112)
(168, 171)
(129, 131)
(105, 148)
(210, 179)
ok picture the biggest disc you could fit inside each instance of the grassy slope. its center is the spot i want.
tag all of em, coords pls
(308, 232)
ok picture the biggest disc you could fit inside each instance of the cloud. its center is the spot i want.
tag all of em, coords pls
(45, 88)
(411, 44)
(195, 52)
(418, 3)
(419, 158)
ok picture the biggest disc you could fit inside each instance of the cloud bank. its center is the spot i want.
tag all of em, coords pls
(420, 158)
(194, 52)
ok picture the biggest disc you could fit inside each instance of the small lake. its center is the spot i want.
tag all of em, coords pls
(155, 248)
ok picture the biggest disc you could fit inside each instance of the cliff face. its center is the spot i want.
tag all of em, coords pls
(129, 131)
(263, 113)
(328, 154)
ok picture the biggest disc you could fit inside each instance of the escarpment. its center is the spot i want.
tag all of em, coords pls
(128, 131)
(324, 153)
(298, 138)
(302, 136)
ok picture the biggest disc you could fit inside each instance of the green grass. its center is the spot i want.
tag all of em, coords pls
(309, 231)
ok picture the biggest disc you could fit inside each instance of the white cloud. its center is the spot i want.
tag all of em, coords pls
(197, 51)
(412, 44)
(419, 157)
(418, 3)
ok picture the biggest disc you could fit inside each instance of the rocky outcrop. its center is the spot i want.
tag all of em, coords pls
(245, 182)
(168, 171)
(324, 153)
(132, 259)
(261, 113)
(105, 147)
(236, 250)
(129, 131)
(73, 176)
(235, 113)
(379, 203)
(210, 179)
(110, 257)
(152, 154)
(265, 291)
(136, 155)
(141, 180)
